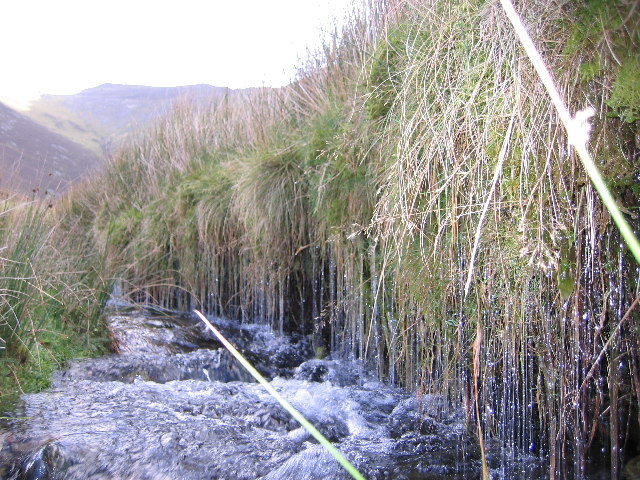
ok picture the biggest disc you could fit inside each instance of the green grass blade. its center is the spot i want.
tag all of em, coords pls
(598, 182)
(285, 404)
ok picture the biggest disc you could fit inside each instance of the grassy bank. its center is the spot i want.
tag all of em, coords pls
(348, 206)
(50, 297)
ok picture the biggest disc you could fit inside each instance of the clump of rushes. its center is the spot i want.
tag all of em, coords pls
(534, 296)
(270, 201)
(50, 295)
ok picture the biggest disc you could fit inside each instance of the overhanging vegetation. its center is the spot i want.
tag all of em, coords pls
(347, 206)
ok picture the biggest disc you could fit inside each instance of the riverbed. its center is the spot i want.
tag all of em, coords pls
(173, 404)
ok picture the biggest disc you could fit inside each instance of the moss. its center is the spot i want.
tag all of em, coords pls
(625, 93)
(567, 264)
(586, 32)
(60, 339)
(121, 227)
(601, 48)
(591, 70)
(385, 75)
(320, 352)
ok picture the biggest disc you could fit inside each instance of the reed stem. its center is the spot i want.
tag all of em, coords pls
(578, 128)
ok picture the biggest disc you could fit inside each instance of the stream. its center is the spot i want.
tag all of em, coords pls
(174, 404)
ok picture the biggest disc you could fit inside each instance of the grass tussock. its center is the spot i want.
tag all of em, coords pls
(410, 200)
(49, 295)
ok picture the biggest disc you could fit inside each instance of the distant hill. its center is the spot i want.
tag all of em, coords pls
(100, 117)
(62, 137)
(35, 160)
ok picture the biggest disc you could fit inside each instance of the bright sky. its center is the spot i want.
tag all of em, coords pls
(65, 46)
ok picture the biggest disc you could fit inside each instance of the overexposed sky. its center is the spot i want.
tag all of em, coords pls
(65, 46)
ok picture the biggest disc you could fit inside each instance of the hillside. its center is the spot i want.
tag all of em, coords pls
(35, 159)
(61, 137)
(100, 117)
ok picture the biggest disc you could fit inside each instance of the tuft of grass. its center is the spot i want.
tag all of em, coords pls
(50, 296)
(270, 201)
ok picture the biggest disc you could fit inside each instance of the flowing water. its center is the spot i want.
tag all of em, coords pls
(173, 404)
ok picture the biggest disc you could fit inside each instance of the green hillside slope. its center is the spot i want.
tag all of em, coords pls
(34, 159)
(99, 118)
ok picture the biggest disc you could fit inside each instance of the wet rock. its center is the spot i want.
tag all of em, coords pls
(135, 332)
(332, 428)
(411, 415)
(312, 371)
(311, 464)
(272, 355)
(47, 463)
(338, 372)
(206, 365)
(399, 426)
(273, 417)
